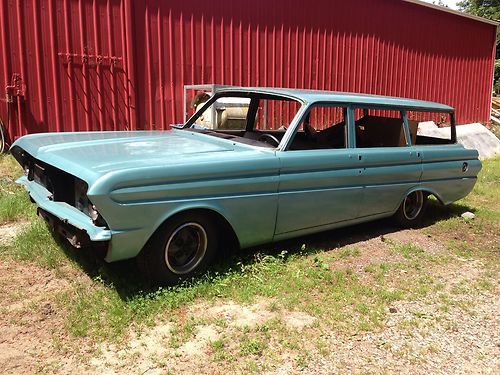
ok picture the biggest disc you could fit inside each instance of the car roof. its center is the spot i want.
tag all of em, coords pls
(314, 96)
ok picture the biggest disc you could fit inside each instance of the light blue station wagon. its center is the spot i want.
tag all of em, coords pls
(251, 165)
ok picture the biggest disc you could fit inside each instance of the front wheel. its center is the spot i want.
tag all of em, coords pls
(411, 210)
(180, 249)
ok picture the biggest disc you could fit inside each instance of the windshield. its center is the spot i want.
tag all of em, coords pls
(256, 119)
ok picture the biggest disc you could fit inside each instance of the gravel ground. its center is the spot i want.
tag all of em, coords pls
(452, 331)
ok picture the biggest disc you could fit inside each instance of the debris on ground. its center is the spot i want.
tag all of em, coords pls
(468, 215)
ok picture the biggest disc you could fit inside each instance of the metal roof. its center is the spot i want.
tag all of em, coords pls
(313, 96)
(453, 11)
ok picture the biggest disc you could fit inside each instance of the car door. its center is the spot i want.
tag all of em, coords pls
(387, 174)
(317, 188)
(389, 165)
(319, 176)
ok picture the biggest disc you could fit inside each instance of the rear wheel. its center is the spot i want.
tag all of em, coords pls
(412, 209)
(180, 249)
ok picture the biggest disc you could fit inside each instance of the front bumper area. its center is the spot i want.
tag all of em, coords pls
(73, 224)
(76, 237)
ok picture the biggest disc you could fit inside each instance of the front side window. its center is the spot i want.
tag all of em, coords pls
(250, 118)
(275, 114)
(323, 127)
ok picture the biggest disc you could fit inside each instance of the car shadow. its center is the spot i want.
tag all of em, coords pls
(125, 277)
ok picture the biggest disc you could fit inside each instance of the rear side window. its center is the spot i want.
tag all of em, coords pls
(429, 128)
(379, 128)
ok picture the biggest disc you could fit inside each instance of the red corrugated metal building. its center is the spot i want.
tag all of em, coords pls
(69, 65)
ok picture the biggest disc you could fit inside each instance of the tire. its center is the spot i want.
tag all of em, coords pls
(2, 138)
(180, 249)
(411, 210)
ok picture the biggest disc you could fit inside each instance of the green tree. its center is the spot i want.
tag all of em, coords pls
(440, 3)
(489, 9)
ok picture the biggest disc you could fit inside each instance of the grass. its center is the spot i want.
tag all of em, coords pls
(14, 201)
(105, 300)
(101, 311)
(251, 346)
(487, 189)
(220, 351)
(35, 243)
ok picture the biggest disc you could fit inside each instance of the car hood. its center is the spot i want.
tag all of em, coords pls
(90, 155)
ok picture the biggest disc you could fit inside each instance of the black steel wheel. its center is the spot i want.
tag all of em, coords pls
(180, 249)
(412, 209)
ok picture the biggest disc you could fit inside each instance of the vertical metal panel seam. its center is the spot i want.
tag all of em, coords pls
(222, 47)
(330, 61)
(171, 62)
(112, 70)
(70, 73)
(98, 52)
(126, 62)
(22, 60)
(249, 54)
(160, 73)
(231, 51)
(257, 55)
(181, 49)
(240, 54)
(6, 63)
(39, 64)
(149, 71)
(85, 70)
(192, 45)
(203, 48)
(55, 74)
(133, 108)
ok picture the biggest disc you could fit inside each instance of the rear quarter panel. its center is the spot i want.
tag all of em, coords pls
(449, 171)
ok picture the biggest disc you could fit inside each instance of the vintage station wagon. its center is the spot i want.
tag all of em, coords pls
(253, 165)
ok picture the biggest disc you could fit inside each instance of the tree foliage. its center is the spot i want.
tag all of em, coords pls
(489, 9)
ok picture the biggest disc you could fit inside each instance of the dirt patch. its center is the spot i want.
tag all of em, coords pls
(298, 320)
(199, 344)
(240, 315)
(33, 287)
(31, 323)
(138, 351)
(9, 231)
(152, 350)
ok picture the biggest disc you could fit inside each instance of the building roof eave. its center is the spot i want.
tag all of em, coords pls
(453, 11)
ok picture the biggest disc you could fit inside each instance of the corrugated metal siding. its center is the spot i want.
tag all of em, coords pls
(121, 64)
